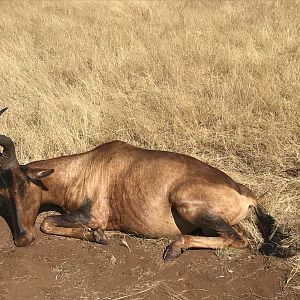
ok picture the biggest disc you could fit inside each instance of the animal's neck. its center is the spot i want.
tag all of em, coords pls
(58, 188)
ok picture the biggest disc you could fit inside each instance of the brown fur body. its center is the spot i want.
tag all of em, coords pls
(134, 190)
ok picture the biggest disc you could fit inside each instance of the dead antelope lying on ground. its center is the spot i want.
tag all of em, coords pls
(120, 187)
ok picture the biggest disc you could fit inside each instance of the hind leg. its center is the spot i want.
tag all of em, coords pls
(229, 237)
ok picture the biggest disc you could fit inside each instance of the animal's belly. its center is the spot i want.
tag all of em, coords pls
(156, 224)
(152, 229)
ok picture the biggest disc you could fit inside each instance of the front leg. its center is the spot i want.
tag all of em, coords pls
(79, 224)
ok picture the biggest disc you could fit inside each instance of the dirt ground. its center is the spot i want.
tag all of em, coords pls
(63, 268)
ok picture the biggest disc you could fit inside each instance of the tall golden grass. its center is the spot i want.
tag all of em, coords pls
(218, 80)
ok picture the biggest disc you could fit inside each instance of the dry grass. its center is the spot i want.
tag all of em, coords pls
(218, 80)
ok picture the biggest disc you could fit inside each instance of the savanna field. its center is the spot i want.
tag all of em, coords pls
(217, 80)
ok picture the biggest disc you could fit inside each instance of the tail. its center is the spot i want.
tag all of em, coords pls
(272, 236)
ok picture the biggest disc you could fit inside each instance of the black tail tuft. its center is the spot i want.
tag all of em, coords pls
(272, 236)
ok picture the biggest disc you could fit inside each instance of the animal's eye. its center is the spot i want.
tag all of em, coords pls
(21, 187)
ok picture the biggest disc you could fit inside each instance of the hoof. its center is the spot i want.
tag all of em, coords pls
(100, 237)
(172, 252)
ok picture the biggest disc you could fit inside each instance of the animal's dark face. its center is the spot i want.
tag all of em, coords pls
(22, 208)
(21, 188)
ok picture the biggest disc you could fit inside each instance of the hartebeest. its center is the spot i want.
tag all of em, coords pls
(117, 186)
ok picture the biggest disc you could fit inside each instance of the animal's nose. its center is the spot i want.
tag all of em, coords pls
(24, 239)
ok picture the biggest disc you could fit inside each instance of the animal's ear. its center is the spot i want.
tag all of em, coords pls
(36, 174)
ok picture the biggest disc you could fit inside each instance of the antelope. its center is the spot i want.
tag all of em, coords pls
(120, 187)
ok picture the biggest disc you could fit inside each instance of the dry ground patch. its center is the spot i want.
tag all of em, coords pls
(218, 80)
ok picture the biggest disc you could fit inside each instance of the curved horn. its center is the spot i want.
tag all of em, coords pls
(8, 157)
(3, 110)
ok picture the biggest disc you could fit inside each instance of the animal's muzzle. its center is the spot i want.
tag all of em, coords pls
(25, 239)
